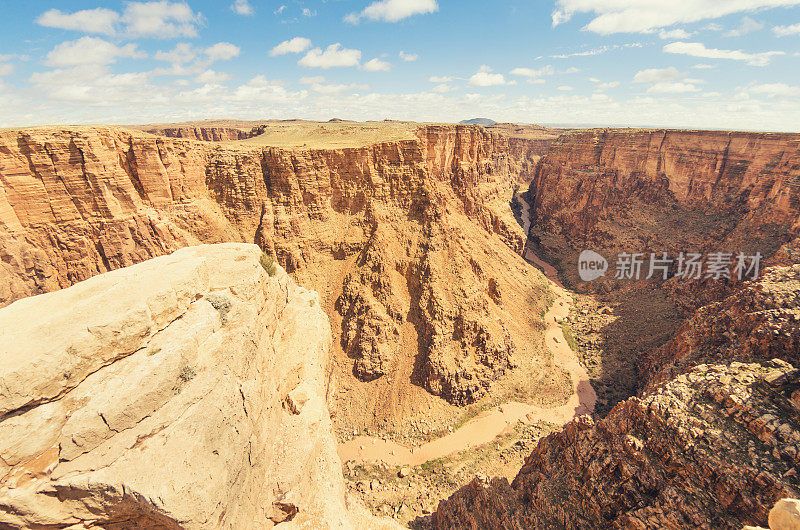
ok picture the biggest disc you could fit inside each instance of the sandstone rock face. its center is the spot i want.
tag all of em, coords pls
(713, 448)
(187, 391)
(671, 191)
(206, 134)
(758, 322)
(403, 233)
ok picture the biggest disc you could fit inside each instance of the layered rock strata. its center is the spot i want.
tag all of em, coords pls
(404, 233)
(187, 391)
(713, 448)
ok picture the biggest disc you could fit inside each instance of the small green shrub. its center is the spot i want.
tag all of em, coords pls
(269, 264)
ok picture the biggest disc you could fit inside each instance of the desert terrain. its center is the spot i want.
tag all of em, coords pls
(381, 324)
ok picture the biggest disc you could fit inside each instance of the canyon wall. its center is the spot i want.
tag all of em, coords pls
(713, 448)
(657, 190)
(188, 391)
(411, 235)
(206, 134)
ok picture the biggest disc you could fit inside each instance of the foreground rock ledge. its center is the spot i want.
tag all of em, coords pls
(183, 392)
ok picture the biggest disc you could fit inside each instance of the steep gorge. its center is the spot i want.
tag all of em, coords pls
(411, 242)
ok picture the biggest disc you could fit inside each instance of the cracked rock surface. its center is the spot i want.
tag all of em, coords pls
(155, 396)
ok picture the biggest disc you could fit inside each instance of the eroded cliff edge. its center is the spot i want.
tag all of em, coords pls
(410, 242)
(187, 391)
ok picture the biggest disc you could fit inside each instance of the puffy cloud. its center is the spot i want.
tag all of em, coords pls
(610, 84)
(90, 50)
(295, 45)
(697, 49)
(653, 75)
(672, 88)
(376, 65)
(783, 31)
(334, 56)
(242, 7)
(673, 34)
(439, 79)
(443, 88)
(780, 90)
(533, 73)
(638, 16)
(565, 88)
(6, 69)
(485, 77)
(336, 89)
(182, 53)
(222, 51)
(100, 20)
(161, 20)
(408, 57)
(94, 85)
(393, 10)
(748, 25)
(308, 13)
(212, 77)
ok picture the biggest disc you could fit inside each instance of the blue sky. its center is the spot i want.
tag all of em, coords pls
(685, 63)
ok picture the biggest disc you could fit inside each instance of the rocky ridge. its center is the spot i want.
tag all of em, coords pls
(187, 391)
(78, 202)
(713, 448)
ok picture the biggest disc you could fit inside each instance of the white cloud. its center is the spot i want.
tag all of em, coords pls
(222, 51)
(242, 7)
(443, 88)
(408, 57)
(673, 34)
(312, 80)
(94, 85)
(610, 84)
(308, 13)
(6, 69)
(295, 45)
(565, 88)
(639, 16)
(780, 90)
(439, 79)
(748, 25)
(484, 77)
(336, 89)
(783, 31)
(211, 77)
(393, 10)
(697, 49)
(90, 50)
(653, 75)
(334, 56)
(161, 19)
(672, 88)
(571, 70)
(280, 10)
(182, 53)
(98, 20)
(376, 65)
(666, 81)
(703, 66)
(530, 72)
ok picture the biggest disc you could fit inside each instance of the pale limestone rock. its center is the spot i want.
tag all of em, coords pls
(785, 515)
(151, 397)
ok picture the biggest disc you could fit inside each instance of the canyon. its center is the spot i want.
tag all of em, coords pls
(441, 327)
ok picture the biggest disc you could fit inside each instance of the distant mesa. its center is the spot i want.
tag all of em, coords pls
(486, 122)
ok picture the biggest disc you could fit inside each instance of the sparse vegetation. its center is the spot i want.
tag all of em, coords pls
(568, 336)
(187, 374)
(222, 304)
(268, 262)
